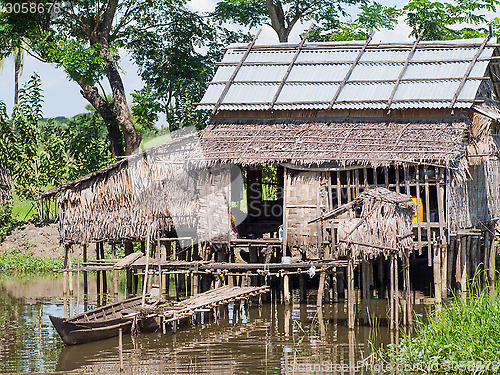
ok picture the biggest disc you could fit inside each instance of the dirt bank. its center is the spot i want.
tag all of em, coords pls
(41, 239)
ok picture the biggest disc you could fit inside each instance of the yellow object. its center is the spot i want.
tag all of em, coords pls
(419, 208)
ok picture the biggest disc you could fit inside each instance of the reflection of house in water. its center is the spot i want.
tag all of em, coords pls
(309, 127)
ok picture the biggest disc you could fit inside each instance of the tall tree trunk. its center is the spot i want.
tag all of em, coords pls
(105, 109)
(277, 17)
(17, 71)
(123, 115)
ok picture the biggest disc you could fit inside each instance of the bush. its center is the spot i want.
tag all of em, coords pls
(464, 331)
(7, 222)
(22, 260)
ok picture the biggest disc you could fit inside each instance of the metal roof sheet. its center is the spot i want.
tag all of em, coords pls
(430, 79)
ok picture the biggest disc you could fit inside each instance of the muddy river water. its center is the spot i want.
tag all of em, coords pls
(267, 339)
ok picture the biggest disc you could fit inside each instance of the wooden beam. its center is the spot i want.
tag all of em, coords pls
(403, 70)
(469, 69)
(290, 66)
(349, 72)
(236, 70)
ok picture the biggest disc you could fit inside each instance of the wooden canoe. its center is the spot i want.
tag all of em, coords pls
(101, 323)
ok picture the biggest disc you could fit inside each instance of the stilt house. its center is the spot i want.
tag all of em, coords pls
(322, 122)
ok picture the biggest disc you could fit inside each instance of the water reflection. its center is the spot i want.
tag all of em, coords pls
(246, 338)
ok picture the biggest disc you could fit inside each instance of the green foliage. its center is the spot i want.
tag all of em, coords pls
(42, 154)
(7, 222)
(176, 61)
(436, 19)
(371, 17)
(22, 260)
(463, 331)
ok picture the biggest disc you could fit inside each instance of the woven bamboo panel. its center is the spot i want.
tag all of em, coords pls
(302, 206)
(476, 200)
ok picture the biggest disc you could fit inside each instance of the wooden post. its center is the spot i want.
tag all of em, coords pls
(381, 277)
(85, 276)
(286, 288)
(115, 282)
(129, 249)
(474, 256)
(449, 264)
(391, 293)
(333, 285)
(195, 280)
(104, 280)
(146, 271)
(98, 273)
(406, 266)
(419, 205)
(65, 273)
(428, 216)
(350, 294)
(437, 269)
(120, 347)
(70, 266)
(302, 287)
(365, 291)
(396, 290)
(463, 265)
(492, 252)
(321, 289)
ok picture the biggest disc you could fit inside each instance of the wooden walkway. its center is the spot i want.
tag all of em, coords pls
(205, 302)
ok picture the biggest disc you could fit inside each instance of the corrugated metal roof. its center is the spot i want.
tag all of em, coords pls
(430, 80)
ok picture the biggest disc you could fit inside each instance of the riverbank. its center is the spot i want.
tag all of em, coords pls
(31, 247)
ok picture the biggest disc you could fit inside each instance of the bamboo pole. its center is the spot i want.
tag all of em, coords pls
(391, 294)
(491, 257)
(321, 289)
(365, 292)
(437, 270)
(428, 216)
(463, 266)
(419, 219)
(350, 293)
(146, 272)
(286, 289)
(396, 291)
(85, 276)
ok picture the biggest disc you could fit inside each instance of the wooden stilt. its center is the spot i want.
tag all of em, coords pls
(463, 265)
(396, 291)
(381, 277)
(98, 273)
(129, 249)
(302, 287)
(321, 289)
(146, 271)
(333, 285)
(474, 246)
(104, 280)
(286, 289)
(409, 317)
(436, 261)
(65, 273)
(70, 274)
(491, 257)
(365, 291)
(449, 265)
(350, 294)
(85, 276)
(391, 293)
(115, 283)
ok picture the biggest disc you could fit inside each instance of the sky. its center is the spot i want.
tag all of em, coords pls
(62, 97)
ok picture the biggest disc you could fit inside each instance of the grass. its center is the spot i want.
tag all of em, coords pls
(463, 337)
(22, 209)
(22, 260)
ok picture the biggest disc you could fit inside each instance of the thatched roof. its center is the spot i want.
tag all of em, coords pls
(155, 190)
(385, 226)
(343, 143)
